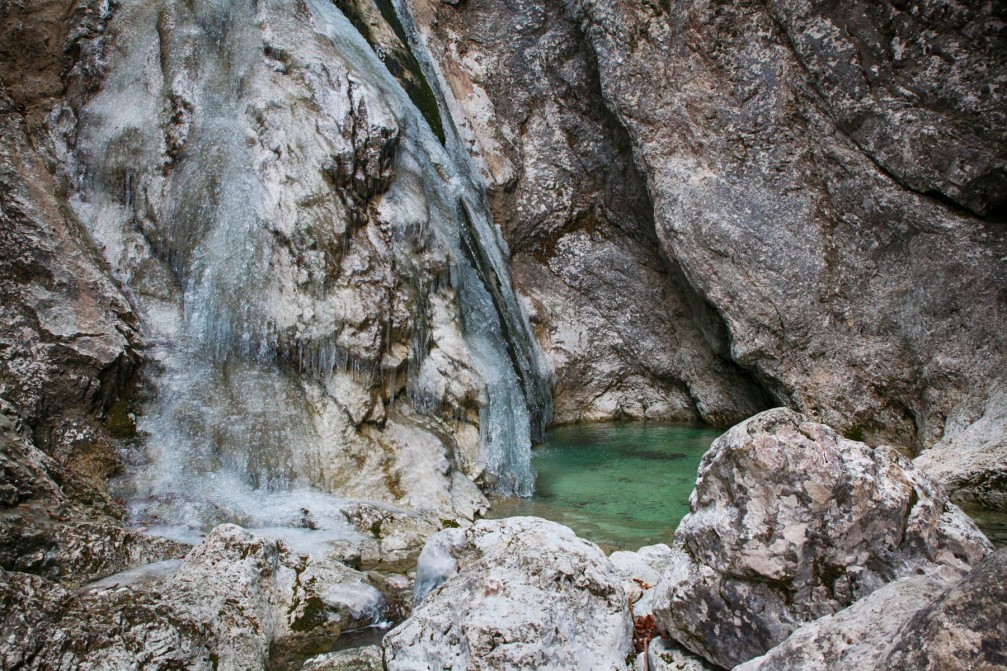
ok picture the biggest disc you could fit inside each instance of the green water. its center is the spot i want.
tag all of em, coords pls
(622, 485)
(627, 485)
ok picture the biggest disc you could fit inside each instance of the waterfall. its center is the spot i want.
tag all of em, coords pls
(276, 310)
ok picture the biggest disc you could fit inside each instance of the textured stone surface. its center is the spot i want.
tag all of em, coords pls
(67, 335)
(963, 628)
(515, 593)
(358, 659)
(917, 622)
(57, 524)
(625, 334)
(398, 534)
(664, 655)
(790, 522)
(236, 601)
(872, 307)
(971, 460)
(856, 638)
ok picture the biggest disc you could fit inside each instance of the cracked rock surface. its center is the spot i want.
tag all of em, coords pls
(790, 522)
(516, 593)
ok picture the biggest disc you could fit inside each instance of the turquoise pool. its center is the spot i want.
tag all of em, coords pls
(621, 485)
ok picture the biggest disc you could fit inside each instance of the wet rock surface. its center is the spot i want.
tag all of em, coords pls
(68, 337)
(516, 593)
(57, 524)
(235, 602)
(790, 522)
(625, 334)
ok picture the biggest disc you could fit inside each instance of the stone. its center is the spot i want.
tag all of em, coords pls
(962, 628)
(790, 522)
(791, 151)
(664, 655)
(515, 593)
(236, 602)
(640, 571)
(398, 533)
(367, 658)
(855, 638)
(931, 621)
(625, 334)
(646, 564)
(970, 462)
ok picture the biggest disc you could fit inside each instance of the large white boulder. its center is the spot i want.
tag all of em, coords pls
(519, 593)
(790, 522)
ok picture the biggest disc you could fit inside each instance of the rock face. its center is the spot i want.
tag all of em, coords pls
(57, 524)
(797, 158)
(918, 622)
(790, 522)
(856, 638)
(515, 593)
(971, 460)
(300, 249)
(236, 601)
(68, 337)
(963, 628)
(625, 334)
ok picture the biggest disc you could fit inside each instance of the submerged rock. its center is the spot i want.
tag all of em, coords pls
(790, 522)
(514, 593)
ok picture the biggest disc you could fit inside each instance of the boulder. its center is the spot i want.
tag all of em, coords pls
(961, 629)
(789, 522)
(856, 638)
(640, 571)
(664, 655)
(237, 601)
(398, 535)
(515, 593)
(918, 622)
(971, 460)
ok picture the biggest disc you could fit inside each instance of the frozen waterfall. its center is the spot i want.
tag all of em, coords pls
(297, 239)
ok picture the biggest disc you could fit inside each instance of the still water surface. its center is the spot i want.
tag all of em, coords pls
(626, 485)
(621, 485)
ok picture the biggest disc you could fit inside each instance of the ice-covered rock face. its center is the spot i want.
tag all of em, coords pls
(327, 297)
(790, 522)
(237, 601)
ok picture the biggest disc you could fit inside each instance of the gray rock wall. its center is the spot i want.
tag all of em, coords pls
(790, 151)
(625, 333)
